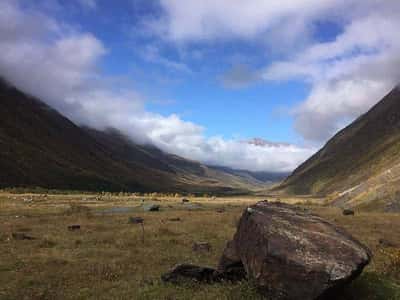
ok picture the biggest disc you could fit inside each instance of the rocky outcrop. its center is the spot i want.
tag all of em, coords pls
(292, 254)
(287, 252)
(189, 272)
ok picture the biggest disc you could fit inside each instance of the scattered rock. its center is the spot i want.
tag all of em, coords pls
(185, 272)
(201, 246)
(348, 212)
(184, 200)
(292, 254)
(135, 220)
(19, 236)
(189, 272)
(230, 266)
(151, 207)
(387, 244)
(74, 227)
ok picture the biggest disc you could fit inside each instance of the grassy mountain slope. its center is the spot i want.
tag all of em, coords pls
(40, 147)
(358, 156)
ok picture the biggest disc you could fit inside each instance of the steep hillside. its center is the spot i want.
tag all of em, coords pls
(40, 147)
(357, 160)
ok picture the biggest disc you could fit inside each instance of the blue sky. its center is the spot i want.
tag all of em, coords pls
(200, 78)
(198, 93)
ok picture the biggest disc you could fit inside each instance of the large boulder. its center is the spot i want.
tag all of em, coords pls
(292, 254)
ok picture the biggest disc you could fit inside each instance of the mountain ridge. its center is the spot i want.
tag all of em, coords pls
(40, 147)
(355, 155)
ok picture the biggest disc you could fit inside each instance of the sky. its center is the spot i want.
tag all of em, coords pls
(200, 79)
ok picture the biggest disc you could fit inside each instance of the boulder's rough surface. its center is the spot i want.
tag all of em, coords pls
(292, 254)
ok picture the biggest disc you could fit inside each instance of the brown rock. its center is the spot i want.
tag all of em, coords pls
(189, 272)
(348, 212)
(292, 254)
(74, 227)
(19, 236)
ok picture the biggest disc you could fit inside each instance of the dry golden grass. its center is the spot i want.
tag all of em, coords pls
(107, 258)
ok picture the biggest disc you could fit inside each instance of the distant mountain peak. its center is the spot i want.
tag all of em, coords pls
(264, 143)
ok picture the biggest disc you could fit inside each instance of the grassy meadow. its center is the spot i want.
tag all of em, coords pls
(108, 258)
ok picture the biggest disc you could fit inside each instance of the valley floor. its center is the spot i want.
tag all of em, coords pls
(108, 259)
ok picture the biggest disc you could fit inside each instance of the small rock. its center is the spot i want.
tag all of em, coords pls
(135, 220)
(175, 219)
(151, 207)
(201, 246)
(189, 272)
(184, 200)
(221, 210)
(19, 236)
(348, 212)
(74, 227)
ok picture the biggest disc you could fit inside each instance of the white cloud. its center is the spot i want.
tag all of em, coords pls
(348, 75)
(194, 20)
(59, 67)
(227, 19)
